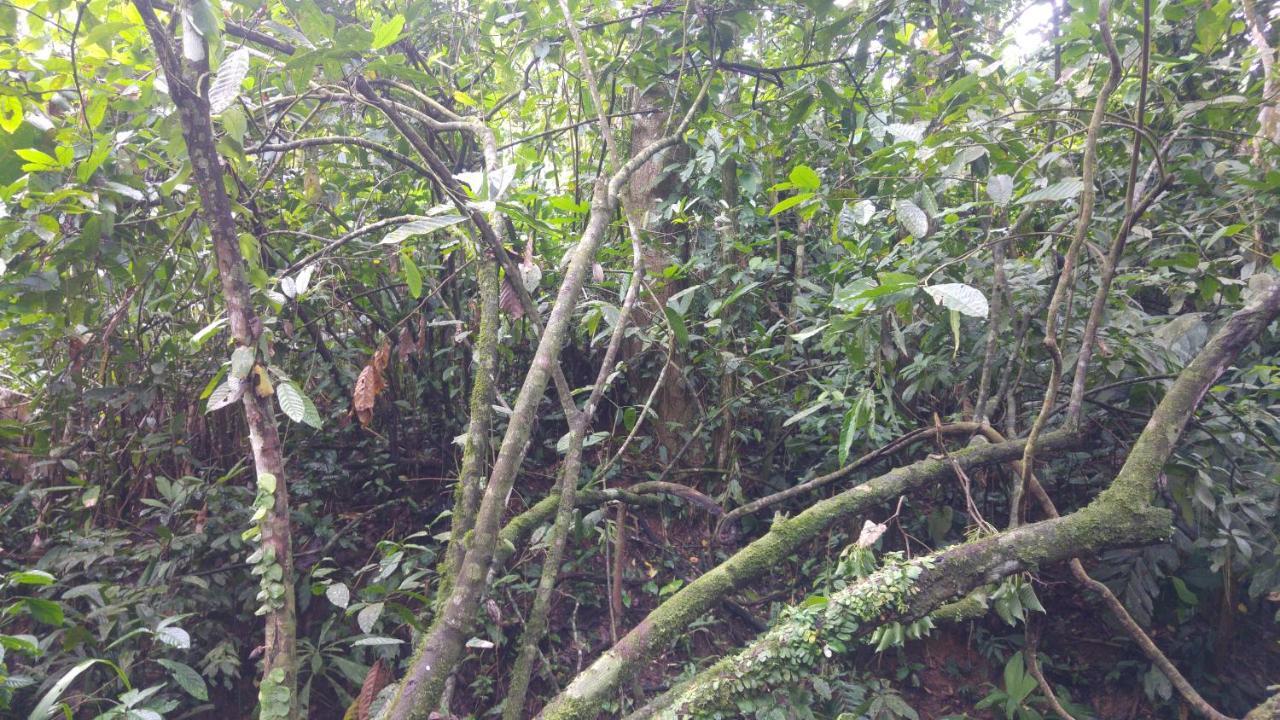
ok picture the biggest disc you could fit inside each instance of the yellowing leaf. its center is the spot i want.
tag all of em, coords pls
(10, 113)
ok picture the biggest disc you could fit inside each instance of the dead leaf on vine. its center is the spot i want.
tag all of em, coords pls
(509, 300)
(406, 345)
(371, 382)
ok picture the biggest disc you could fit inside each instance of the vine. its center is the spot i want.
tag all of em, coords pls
(271, 588)
(273, 696)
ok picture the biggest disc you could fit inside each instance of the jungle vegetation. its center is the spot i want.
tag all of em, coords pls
(816, 359)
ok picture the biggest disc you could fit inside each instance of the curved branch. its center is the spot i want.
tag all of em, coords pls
(755, 506)
(1089, 171)
(335, 244)
(1131, 214)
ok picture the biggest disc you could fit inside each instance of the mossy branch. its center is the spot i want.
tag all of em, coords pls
(582, 697)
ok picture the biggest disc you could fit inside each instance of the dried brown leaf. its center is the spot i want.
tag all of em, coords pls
(370, 383)
(509, 300)
(377, 678)
(382, 356)
(406, 345)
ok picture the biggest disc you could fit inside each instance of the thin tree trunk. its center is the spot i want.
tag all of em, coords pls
(1066, 279)
(536, 626)
(278, 689)
(475, 453)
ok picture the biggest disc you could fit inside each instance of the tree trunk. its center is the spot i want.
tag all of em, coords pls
(278, 691)
(441, 648)
(673, 404)
(475, 453)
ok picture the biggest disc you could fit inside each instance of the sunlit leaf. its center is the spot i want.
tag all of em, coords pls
(421, 226)
(962, 298)
(1000, 189)
(1064, 189)
(912, 218)
(226, 85)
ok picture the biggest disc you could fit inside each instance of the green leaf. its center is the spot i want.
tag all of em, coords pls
(1184, 593)
(1064, 189)
(311, 416)
(804, 413)
(805, 178)
(21, 643)
(412, 277)
(385, 33)
(241, 361)
(863, 211)
(44, 709)
(267, 482)
(174, 637)
(291, 401)
(206, 332)
(339, 594)
(367, 616)
(234, 123)
(90, 165)
(186, 677)
(847, 433)
(1014, 673)
(224, 395)
(37, 161)
(45, 611)
(31, 577)
(376, 642)
(204, 18)
(303, 280)
(960, 297)
(1000, 189)
(912, 218)
(97, 110)
(789, 203)
(678, 328)
(10, 113)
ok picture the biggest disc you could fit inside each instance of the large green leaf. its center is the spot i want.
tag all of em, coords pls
(45, 708)
(293, 402)
(1064, 189)
(186, 677)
